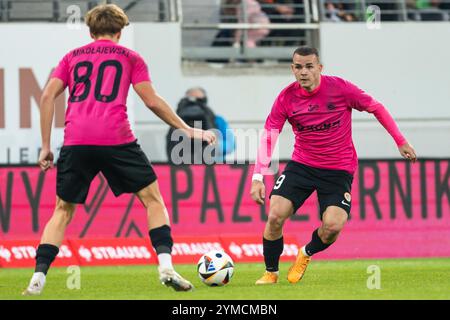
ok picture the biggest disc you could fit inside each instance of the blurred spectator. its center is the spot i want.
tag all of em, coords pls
(280, 11)
(228, 14)
(423, 4)
(391, 10)
(253, 14)
(427, 10)
(337, 12)
(331, 12)
(444, 5)
(232, 12)
(193, 109)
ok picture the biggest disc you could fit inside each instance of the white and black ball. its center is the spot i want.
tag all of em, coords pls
(215, 268)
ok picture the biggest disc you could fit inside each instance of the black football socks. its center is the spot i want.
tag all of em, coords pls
(316, 244)
(161, 239)
(162, 242)
(272, 250)
(45, 254)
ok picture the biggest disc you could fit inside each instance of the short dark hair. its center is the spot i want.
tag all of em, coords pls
(306, 51)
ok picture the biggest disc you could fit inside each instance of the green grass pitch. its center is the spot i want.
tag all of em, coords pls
(399, 279)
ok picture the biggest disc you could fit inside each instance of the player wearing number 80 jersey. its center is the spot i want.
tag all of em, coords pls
(98, 76)
(98, 138)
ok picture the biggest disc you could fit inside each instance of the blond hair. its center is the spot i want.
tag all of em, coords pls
(106, 19)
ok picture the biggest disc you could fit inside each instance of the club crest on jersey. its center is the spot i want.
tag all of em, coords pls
(347, 196)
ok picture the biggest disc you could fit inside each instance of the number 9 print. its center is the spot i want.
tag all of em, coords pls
(279, 182)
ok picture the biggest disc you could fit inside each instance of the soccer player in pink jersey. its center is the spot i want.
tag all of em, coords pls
(98, 138)
(319, 109)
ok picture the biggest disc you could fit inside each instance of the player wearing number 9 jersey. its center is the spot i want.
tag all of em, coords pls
(98, 138)
(319, 109)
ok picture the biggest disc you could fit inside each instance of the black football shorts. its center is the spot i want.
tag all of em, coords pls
(125, 167)
(299, 181)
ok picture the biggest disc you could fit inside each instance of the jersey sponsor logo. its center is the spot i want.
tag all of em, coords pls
(319, 127)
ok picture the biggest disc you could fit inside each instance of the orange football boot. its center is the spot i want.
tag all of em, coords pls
(297, 270)
(268, 278)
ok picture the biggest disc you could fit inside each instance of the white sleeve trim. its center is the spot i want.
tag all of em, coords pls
(257, 177)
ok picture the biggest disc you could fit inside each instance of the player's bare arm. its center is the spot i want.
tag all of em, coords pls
(47, 109)
(161, 108)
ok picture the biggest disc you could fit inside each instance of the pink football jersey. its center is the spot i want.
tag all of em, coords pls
(99, 76)
(321, 122)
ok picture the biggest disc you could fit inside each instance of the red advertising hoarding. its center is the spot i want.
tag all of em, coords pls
(190, 249)
(250, 248)
(392, 202)
(119, 251)
(22, 253)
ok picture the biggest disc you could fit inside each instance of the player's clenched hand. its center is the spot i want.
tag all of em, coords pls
(258, 191)
(45, 159)
(209, 137)
(407, 152)
(205, 135)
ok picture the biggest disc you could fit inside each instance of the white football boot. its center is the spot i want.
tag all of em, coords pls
(36, 285)
(170, 278)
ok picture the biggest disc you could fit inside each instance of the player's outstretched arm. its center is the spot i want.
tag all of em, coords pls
(388, 122)
(47, 109)
(161, 108)
(361, 101)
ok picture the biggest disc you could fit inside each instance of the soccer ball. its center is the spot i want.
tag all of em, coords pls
(215, 268)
